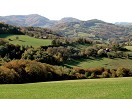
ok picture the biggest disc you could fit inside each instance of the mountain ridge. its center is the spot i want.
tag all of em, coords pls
(41, 21)
(35, 20)
(72, 27)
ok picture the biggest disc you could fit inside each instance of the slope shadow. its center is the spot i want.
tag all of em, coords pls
(77, 62)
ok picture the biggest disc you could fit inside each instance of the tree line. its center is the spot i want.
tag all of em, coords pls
(59, 53)
(27, 71)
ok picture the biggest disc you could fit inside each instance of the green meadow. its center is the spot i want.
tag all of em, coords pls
(101, 62)
(26, 40)
(109, 88)
(129, 47)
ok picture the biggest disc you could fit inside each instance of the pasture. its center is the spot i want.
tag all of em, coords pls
(26, 40)
(108, 88)
(101, 62)
(129, 47)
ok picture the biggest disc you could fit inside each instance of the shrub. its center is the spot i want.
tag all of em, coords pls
(87, 74)
(79, 70)
(122, 72)
(105, 74)
(93, 75)
(97, 71)
(113, 73)
(8, 75)
(36, 72)
(130, 72)
(27, 71)
(80, 76)
(101, 52)
(111, 54)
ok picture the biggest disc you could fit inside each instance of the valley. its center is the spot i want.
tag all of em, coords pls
(74, 58)
(65, 49)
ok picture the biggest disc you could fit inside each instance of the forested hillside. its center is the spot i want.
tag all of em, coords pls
(95, 29)
(9, 29)
(72, 27)
(25, 20)
(37, 32)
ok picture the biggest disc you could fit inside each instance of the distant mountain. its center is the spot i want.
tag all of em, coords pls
(26, 20)
(68, 20)
(95, 29)
(34, 20)
(72, 27)
(123, 23)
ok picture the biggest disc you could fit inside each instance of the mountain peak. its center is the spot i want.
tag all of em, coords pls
(69, 19)
(96, 21)
(35, 15)
(25, 20)
(41, 21)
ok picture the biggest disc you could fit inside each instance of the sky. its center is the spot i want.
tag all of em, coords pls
(106, 10)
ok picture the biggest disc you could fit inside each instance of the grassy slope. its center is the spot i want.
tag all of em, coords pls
(129, 47)
(104, 62)
(112, 88)
(26, 40)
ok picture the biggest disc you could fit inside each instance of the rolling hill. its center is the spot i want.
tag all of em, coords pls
(25, 20)
(24, 40)
(96, 29)
(37, 32)
(34, 20)
(72, 27)
(124, 23)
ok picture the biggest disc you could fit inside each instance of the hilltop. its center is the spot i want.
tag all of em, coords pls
(95, 29)
(34, 20)
(25, 20)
